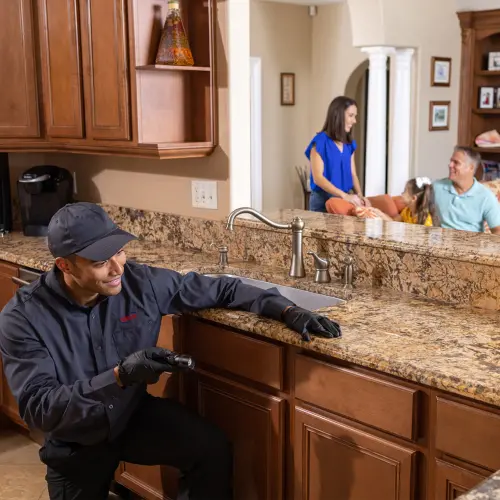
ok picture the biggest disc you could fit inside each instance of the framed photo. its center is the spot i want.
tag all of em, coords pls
(497, 100)
(439, 115)
(440, 71)
(486, 98)
(494, 61)
(287, 89)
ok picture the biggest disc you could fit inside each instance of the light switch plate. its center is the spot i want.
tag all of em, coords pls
(204, 194)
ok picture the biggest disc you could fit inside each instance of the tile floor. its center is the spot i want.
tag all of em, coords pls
(22, 475)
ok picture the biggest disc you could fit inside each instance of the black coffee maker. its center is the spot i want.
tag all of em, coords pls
(42, 190)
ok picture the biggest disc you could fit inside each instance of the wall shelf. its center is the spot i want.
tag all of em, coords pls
(480, 36)
(158, 67)
(494, 111)
(487, 73)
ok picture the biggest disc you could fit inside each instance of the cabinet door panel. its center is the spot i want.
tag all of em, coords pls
(333, 460)
(452, 481)
(19, 116)
(61, 75)
(105, 67)
(254, 422)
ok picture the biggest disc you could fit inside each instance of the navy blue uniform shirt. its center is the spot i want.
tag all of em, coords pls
(58, 356)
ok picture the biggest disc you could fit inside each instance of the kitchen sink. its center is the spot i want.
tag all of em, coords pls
(303, 298)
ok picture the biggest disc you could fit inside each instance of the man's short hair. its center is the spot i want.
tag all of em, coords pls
(472, 156)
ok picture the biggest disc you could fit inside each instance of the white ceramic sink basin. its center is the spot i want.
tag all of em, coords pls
(303, 298)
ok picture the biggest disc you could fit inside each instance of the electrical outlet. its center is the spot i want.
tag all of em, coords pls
(204, 194)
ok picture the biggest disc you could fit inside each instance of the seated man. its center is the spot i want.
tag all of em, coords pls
(78, 352)
(462, 202)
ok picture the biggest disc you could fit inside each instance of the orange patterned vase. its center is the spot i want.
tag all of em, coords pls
(174, 46)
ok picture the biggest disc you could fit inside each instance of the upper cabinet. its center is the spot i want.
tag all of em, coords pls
(80, 76)
(19, 117)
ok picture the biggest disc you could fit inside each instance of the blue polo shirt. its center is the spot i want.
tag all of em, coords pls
(466, 211)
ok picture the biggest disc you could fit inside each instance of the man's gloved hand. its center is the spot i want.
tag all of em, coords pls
(306, 322)
(144, 366)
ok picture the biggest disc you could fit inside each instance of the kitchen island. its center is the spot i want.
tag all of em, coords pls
(406, 405)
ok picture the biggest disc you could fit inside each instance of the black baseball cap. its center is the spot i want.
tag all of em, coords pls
(85, 229)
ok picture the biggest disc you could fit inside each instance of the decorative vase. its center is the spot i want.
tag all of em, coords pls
(174, 46)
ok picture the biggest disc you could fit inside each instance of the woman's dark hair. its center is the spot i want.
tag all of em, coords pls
(335, 119)
(425, 204)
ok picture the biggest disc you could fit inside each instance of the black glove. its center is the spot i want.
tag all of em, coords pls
(306, 322)
(145, 366)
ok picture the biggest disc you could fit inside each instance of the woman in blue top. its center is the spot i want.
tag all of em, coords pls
(331, 153)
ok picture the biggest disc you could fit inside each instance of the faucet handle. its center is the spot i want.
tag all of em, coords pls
(322, 273)
(320, 263)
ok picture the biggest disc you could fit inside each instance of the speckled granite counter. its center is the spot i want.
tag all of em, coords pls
(402, 257)
(487, 490)
(452, 348)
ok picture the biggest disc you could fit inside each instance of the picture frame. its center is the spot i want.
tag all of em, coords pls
(494, 61)
(287, 89)
(497, 100)
(441, 71)
(486, 98)
(439, 115)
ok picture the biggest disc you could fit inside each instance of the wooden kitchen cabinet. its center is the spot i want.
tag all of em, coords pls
(99, 91)
(19, 114)
(7, 290)
(334, 460)
(254, 422)
(105, 66)
(60, 53)
(452, 481)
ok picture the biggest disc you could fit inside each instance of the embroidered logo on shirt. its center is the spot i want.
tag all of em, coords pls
(130, 317)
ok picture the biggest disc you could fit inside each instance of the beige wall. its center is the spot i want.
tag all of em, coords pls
(477, 4)
(280, 34)
(163, 185)
(432, 28)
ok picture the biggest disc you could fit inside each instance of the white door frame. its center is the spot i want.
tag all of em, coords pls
(256, 132)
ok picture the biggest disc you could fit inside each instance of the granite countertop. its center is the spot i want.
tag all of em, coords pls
(487, 490)
(438, 242)
(456, 349)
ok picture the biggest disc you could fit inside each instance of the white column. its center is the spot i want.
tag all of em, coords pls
(376, 131)
(399, 168)
(238, 23)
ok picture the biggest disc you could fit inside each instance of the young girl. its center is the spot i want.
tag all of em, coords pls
(331, 153)
(418, 197)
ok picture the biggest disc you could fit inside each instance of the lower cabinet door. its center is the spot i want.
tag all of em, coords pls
(335, 461)
(254, 422)
(452, 481)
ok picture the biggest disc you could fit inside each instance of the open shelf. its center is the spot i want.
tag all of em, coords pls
(176, 106)
(486, 150)
(480, 36)
(486, 72)
(159, 67)
(494, 111)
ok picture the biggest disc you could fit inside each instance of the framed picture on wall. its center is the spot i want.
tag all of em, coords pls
(287, 89)
(440, 71)
(486, 98)
(494, 61)
(439, 115)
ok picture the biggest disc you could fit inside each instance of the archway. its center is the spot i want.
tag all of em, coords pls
(357, 88)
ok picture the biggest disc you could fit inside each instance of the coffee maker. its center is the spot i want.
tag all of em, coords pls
(42, 191)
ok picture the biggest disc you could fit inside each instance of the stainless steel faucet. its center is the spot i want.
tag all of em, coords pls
(297, 226)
